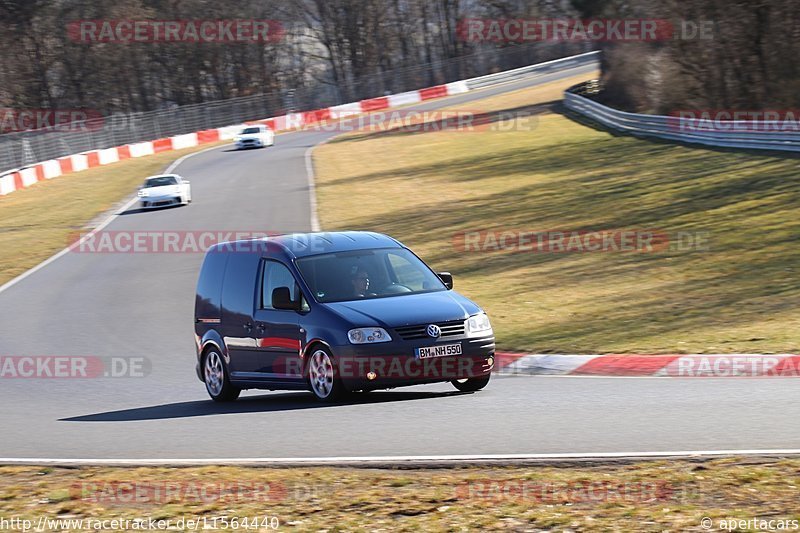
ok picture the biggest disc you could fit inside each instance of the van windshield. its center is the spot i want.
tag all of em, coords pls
(365, 274)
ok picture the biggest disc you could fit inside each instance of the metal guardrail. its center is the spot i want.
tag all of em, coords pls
(509, 75)
(754, 135)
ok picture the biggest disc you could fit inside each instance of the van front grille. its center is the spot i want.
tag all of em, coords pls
(449, 329)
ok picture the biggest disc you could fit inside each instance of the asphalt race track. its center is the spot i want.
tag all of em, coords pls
(141, 305)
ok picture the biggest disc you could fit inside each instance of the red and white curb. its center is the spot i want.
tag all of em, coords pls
(637, 365)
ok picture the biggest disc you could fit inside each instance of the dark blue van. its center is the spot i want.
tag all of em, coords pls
(333, 313)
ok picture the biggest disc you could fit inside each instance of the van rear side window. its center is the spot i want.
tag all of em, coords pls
(239, 287)
(209, 285)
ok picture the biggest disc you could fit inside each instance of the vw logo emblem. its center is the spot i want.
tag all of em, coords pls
(434, 331)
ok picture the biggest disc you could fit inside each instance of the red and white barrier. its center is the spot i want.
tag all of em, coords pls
(79, 162)
(107, 156)
(184, 141)
(28, 176)
(346, 110)
(457, 87)
(229, 132)
(7, 184)
(51, 169)
(75, 163)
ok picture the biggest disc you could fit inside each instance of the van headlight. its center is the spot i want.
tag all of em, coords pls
(478, 326)
(144, 193)
(368, 335)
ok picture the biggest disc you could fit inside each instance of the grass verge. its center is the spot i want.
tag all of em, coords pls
(36, 222)
(737, 293)
(653, 496)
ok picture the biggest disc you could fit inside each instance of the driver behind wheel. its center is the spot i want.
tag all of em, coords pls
(360, 281)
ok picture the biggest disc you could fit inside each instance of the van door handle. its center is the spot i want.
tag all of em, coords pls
(248, 327)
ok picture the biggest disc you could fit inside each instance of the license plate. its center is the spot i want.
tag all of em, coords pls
(438, 351)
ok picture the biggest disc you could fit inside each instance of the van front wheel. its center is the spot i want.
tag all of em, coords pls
(323, 377)
(471, 384)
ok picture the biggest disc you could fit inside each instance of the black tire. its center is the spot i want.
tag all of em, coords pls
(472, 384)
(216, 379)
(322, 375)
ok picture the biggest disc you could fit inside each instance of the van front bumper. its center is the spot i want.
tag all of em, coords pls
(395, 364)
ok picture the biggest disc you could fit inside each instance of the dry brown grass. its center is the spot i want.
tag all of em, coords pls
(654, 496)
(740, 295)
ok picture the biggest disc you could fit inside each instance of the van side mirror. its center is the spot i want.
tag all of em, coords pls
(282, 299)
(447, 279)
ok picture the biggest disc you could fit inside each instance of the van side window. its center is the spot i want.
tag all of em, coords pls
(208, 303)
(276, 275)
(239, 288)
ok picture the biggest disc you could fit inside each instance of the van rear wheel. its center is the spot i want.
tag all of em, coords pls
(215, 376)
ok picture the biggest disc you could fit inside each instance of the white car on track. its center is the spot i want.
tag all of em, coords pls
(256, 136)
(164, 190)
